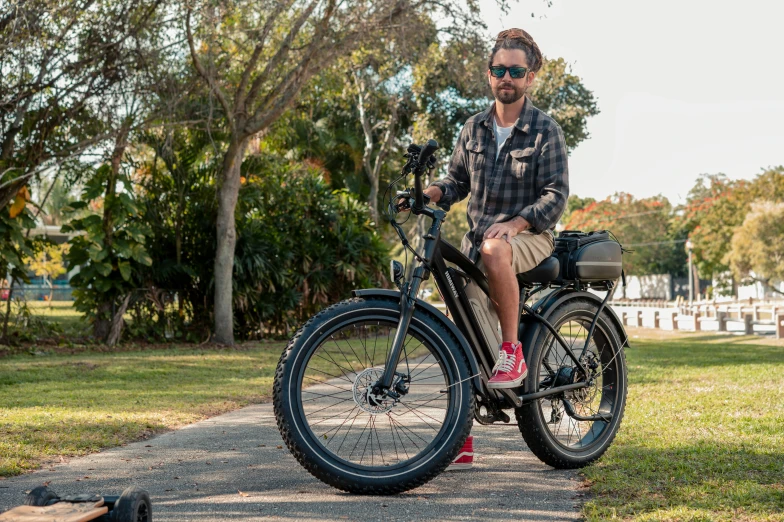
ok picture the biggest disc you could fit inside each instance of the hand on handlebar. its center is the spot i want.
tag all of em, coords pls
(405, 199)
(434, 193)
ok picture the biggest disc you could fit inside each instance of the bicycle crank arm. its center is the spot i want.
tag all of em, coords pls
(569, 409)
(552, 391)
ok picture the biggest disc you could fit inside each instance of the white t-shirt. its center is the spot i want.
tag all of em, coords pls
(501, 133)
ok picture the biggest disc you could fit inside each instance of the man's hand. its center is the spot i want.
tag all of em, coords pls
(434, 193)
(508, 229)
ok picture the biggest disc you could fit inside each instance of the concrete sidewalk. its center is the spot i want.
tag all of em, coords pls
(235, 467)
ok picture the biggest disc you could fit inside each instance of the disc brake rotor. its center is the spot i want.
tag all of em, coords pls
(365, 398)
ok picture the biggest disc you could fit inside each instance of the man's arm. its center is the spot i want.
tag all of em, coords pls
(457, 183)
(553, 177)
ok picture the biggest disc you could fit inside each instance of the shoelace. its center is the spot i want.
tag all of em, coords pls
(505, 363)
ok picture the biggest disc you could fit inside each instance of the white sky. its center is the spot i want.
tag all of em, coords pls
(684, 87)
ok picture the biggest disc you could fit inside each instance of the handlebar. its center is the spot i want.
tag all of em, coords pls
(422, 163)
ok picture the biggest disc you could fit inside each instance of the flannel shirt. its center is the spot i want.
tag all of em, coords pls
(530, 178)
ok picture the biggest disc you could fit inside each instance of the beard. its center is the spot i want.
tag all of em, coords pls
(509, 96)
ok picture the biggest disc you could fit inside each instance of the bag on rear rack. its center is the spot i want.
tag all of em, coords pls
(588, 256)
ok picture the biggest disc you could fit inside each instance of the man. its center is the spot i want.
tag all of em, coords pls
(512, 159)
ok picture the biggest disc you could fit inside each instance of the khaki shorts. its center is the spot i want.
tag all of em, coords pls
(528, 250)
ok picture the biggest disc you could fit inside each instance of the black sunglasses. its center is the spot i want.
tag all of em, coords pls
(498, 71)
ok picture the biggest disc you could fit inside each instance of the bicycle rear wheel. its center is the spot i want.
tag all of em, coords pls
(348, 437)
(575, 428)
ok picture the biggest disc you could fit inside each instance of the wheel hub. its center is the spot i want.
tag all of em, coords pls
(364, 397)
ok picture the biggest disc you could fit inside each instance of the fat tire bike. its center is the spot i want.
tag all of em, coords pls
(377, 394)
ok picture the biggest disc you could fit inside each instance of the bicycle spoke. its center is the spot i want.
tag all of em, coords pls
(335, 407)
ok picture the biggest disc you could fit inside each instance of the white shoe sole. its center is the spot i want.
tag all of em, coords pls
(511, 384)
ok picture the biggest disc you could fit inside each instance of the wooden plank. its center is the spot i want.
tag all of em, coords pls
(60, 512)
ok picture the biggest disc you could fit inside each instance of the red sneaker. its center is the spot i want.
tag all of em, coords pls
(510, 369)
(465, 459)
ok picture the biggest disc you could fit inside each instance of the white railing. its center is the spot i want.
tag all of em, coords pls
(749, 316)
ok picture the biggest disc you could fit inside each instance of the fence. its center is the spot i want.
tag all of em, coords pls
(747, 317)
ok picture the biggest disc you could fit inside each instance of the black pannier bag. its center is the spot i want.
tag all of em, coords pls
(588, 256)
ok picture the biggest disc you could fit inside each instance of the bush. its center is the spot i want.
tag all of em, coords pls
(300, 246)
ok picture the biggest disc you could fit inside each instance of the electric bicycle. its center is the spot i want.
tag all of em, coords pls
(377, 394)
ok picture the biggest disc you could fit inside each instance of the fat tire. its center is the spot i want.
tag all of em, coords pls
(133, 505)
(446, 449)
(40, 496)
(532, 425)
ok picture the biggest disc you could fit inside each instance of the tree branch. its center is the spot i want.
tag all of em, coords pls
(284, 49)
(268, 24)
(214, 87)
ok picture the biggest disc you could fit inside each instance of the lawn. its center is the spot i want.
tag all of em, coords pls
(702, 439)
(60, 405)
(703, 435)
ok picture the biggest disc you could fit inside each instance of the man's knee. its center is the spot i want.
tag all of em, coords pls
(496, 253)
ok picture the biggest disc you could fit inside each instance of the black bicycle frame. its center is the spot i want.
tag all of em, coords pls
(451, 283)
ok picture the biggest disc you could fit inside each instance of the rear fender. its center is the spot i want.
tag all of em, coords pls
(449, 325)
(531, 329)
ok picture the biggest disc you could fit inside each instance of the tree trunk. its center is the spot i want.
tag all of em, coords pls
(226, 241)
(117, 323)
(8, 308)
(103, 319)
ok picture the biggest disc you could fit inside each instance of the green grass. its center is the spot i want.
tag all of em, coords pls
(62, 405)
(703, 435)
(55, 405)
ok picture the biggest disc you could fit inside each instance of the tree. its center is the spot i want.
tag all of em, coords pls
(256, 57)
(643, 225)
(48, 264)
(715, 206)
(757, 247)
(58, 60)
(563, 96)
(575, 202)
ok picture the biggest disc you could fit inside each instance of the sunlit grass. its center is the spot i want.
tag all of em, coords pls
(703, 435)
(60, 405)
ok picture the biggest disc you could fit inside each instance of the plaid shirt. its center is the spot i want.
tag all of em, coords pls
(530, 178)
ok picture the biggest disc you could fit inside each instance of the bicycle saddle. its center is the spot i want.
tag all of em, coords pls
(545, 272)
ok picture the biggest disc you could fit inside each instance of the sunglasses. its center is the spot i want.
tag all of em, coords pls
(498, 71)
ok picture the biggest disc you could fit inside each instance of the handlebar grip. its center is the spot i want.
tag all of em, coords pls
(427, 150)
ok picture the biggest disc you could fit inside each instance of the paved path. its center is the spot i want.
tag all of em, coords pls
(196, 473)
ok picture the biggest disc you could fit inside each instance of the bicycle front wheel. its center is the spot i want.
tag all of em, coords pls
(357, 441)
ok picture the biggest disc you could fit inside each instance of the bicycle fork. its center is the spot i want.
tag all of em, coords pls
(408, 297)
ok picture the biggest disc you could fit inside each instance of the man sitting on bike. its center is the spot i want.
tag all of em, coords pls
(512, 158)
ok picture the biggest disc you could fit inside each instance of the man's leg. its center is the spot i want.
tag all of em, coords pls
(504, 290)
(503, 261)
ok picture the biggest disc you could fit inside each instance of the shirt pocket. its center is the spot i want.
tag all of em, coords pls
(476, 156)
(522, 161)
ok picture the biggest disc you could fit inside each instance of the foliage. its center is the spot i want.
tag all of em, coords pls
(563, 96)
(109, 252)
(643, 225)
(14, 245)
(59, 62)
(717, 206)
(757, 246)
(300, 244)
(575, 202)
(48, 263)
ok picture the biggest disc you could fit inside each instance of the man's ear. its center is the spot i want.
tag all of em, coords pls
(531, 77)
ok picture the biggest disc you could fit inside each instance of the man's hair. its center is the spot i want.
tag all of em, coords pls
(518, 39)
